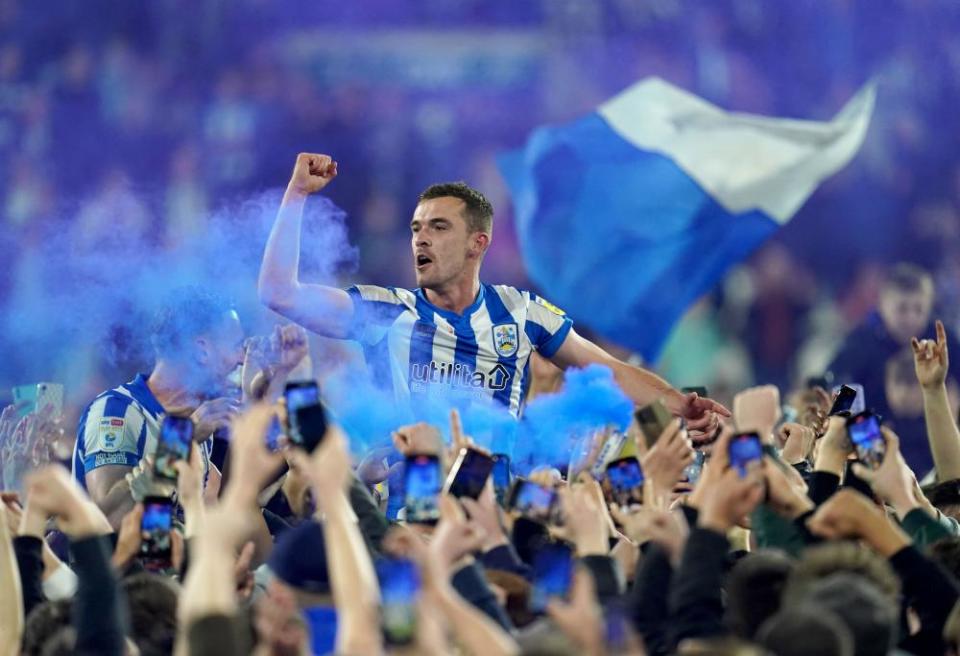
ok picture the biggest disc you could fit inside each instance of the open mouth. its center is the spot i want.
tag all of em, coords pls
(423, 261)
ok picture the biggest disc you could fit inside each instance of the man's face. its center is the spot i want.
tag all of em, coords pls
(441, 241)
(905, 314)
(222, 352)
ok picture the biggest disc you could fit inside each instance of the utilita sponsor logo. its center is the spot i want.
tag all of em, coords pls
(459, 375)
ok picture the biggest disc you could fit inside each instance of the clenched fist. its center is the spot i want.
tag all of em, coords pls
(312, 173)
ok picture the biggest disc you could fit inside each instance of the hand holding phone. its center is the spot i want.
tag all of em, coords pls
(867, 438)
(626, 481)
(652, 420)
(745, 451)
(173, 444)
(296, 395)
(399, 592)
(532, 501)
(501, 476)
(843, 402)
(469, 473)
(423, 480)
(311, 423)
(553, 569)
(155, 527)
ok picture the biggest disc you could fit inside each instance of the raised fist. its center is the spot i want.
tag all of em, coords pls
(312, 173)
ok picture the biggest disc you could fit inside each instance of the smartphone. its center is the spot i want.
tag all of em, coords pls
(552, 575)
(173, 444)
(867, 439)
(501, 476)
(299, 394)
(653, 419)
(311, 421)
(50, 395)
(626, 481)
(843, 402)
(399, 591)
(533, 501)
(699, 389)
(745, 449)
(155, 527)
(469, 474)
(422, 482)
(859, 403)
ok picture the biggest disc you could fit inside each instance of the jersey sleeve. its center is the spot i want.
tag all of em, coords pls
(374, 311)
(547, 325)
(111, 433)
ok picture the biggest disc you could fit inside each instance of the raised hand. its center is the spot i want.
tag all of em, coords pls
(930, 359)
(757, 408)
(581, 619)
(797, 441)
(53, 491)
(893, 480)
(786, 494)
(664, 463)
(312, 172)
(584, 516)
(731, 499)
(213, 415)
(664, 527)
(418, 439)
(702, 414)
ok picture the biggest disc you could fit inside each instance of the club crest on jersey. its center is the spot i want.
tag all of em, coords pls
(505, 339)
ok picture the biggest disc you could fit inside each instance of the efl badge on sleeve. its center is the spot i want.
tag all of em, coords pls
(550, 306)
(111, 433)
(505, 339)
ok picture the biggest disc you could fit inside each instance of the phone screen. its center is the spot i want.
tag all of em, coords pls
(552, 575)
(422, 483)
(298, 395)
(843, 403)
(626, 481)
(867, 439)
(653, 419)
(155, 529)
(745, 449)
(469, 474)
(532, 500)
(173, 444)
(399, 590)
(501, 476)
(311, 421)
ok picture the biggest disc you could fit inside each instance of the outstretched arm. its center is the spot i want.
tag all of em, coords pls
(324, 310)
(641, 385)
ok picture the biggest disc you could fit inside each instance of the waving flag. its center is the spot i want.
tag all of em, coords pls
(628, 215)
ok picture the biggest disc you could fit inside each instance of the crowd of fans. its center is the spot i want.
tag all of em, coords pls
(811, 546)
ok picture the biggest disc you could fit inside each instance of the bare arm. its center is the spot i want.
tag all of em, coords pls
(11, 601)
(641, 385)
(324, 310)
(932, 363)
(108, 488)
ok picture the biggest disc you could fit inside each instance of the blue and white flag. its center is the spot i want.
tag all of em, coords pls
(630, 214)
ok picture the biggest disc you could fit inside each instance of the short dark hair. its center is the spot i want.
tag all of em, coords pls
(478, 211)
(823, 560)
(754, 587)
(907, 278)
(43, 622)
(803, 629)
(187, 313)
(153, 612)
(945, 496)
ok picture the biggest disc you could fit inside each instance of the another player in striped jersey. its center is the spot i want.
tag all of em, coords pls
(452, 335)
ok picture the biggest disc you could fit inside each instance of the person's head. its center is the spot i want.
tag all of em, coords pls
(451, 230)
(725, 646)
(754, 587)
(298, 561)
(153, 612)
(904, 393)
(945, 497)
(198, 332)
(870, 614)
(824, 560)
(803, 630)
(906, 301)
(44, 621)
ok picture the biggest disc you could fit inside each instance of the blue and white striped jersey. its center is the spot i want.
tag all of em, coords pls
(419, 349)
(119, 427)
